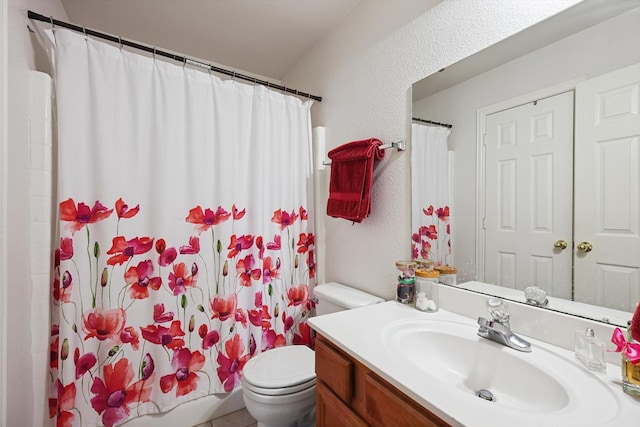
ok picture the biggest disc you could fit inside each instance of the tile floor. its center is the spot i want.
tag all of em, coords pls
(239, 418)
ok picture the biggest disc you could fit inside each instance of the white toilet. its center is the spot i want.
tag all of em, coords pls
(279, 385)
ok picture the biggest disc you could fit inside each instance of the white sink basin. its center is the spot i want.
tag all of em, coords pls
(539, 385)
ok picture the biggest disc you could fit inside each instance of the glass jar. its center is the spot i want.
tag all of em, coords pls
(427, 290)
(447, 275)
(423, 265)
(406, 281)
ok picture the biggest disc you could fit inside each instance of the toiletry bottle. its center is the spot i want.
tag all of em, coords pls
(630, 371)
(589, 349)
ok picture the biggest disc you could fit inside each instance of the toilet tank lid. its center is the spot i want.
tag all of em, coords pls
(345, 296)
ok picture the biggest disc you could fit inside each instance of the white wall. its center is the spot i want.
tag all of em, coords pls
(587, 54)
(366, 93)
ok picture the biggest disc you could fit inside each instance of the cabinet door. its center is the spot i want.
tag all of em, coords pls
(332, 412)
(335, 370)
(386, 407)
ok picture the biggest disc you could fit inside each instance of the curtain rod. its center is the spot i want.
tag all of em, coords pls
(178, 58)
(418, 119)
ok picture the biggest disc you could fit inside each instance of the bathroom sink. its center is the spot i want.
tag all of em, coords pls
(453, 358)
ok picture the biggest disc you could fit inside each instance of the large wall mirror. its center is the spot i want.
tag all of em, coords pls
(543, 161)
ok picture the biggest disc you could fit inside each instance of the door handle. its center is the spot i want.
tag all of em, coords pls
(585, 247)
(560, 244)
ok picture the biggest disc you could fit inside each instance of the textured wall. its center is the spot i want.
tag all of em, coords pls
(365, 80)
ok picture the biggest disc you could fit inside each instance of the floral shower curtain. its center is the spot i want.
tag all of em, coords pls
(430, 216)
(185, 233)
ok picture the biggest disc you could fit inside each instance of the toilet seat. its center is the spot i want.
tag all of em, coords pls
(280, 371)
(278, 391)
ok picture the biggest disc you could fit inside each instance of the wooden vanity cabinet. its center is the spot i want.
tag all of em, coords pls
(351, 395)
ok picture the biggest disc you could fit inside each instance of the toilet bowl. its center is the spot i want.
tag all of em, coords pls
(279, 385)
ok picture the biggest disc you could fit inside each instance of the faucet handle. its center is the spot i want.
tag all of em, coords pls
(536, 296)
(498, 309)
(486, 324)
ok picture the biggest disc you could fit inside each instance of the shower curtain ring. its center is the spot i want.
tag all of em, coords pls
(120, 40)
(84, 30)
(154, 53)
(53, 24)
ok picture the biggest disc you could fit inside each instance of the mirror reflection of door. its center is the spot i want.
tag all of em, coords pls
(528, 182)
(529, 156)
(607, 187)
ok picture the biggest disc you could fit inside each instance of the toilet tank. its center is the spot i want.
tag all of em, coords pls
(333, 297)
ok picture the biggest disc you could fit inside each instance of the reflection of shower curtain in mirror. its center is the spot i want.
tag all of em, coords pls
(430, 225)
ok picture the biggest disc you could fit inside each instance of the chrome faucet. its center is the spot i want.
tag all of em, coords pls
(497, 329)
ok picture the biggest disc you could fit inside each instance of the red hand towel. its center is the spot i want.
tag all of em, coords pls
(352, 179)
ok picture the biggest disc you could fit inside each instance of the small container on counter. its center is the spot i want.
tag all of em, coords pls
(590, 350)
(406, 281)
(448, 275)
(423, 265)
(427, 290)
(630, 370)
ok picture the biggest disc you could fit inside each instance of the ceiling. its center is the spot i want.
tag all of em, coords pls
(264, 37)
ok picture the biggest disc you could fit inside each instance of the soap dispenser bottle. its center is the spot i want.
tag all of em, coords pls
(589, 349)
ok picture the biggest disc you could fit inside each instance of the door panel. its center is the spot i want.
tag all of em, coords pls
(607, 213)
(528, 181)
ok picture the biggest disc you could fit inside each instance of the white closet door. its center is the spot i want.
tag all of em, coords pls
(607, 187)
(528, 181)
